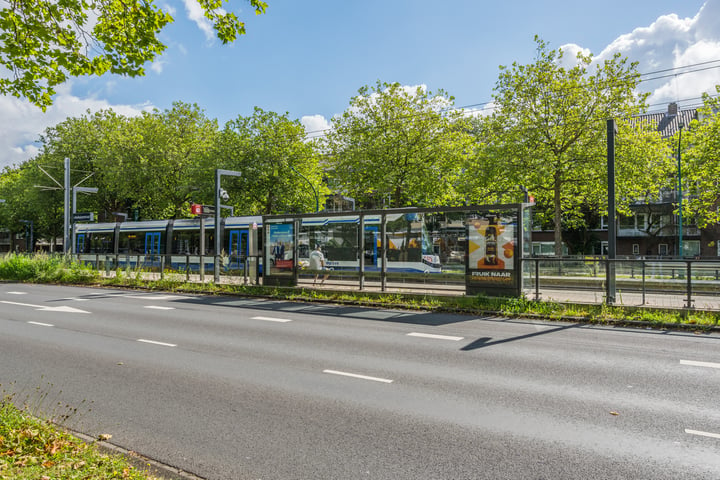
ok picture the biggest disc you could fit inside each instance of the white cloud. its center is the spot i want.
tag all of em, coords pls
(672, 42)
(157, 66)
(196, 14)
(315, 125)
(22, 123)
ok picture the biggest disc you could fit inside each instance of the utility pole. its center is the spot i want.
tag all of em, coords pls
(612, 234)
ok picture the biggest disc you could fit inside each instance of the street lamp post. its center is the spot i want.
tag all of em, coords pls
(680, 194)
(317, 202)
(218, 240)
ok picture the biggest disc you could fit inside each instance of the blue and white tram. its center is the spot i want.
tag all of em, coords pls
(143, 243)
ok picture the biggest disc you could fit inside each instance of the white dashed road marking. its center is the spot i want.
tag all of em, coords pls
(157, 307)
(436, 337)
(42, 324)
(355, 375)
(699, 364)
(702, 434)
(271, 319)
(153, 342)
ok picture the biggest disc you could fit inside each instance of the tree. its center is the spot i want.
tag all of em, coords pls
(406, 146)
(156, 162)
(43, 42)
(280, 170)
(548, 133)
(701, 162)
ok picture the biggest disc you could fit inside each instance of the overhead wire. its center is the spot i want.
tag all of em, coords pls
(643, 77)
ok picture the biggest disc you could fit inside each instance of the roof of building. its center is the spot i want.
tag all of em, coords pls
(668, 123)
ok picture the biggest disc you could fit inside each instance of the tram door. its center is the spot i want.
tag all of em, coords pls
(238, 247)
(371, 245)
(152, 243)
(80, 243)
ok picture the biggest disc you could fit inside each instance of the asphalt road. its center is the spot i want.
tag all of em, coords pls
(230, 388)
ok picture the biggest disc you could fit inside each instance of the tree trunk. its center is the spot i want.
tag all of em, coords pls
(558, 216)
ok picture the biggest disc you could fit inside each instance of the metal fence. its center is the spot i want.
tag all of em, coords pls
(664, 283)
(672, 283)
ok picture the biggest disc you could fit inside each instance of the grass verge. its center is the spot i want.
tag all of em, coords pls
(58, 269)
(31, 448)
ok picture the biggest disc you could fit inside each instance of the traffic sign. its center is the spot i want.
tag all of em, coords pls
(83, 217)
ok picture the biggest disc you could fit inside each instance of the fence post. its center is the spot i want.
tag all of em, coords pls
(689, 284)
(537, 279)
(643, 282)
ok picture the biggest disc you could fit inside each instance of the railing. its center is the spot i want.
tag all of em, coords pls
(658, 282)
(670, 282)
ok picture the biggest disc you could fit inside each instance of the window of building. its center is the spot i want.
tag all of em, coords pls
(627, 222)
(663, 249)
(636, 249)
(691, 248)
(546, 249)
(641, 221)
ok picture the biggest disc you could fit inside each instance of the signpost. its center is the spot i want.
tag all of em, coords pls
(84, 217)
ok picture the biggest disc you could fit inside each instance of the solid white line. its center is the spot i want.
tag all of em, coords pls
(699, 364)
(157, 343)
(271, 319)
(355, 375)
(436, 337)
(702, 434)
(42, 324)
(157, 307)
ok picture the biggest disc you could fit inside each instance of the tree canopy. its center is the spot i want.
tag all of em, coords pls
(548, 134)
(398, 147)
(699, 150)
(43, 42)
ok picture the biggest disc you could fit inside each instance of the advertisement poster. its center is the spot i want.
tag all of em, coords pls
(280, 241)
(491, 252)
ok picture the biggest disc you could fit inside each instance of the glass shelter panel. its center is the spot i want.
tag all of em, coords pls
(280, 245)
(337, 238)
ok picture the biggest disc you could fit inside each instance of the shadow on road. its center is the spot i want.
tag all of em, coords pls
(486, 341)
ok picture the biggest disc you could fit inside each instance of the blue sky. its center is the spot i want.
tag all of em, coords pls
(310, 57)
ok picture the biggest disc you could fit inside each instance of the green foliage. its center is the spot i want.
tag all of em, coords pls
(700, 155)
(31, 448)
(45, 269)
(43, 42)
(548, 133)
(397, 147)
(280, 170)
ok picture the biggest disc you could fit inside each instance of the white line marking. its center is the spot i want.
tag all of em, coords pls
(702, 434)
(355, 375)
(42, 324)
(157, 343)
(157, 307)
(16, 293)
(271, 319)
(699, 364)
(44, 308)
(436, 337)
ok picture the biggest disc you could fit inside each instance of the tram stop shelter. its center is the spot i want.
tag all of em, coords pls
(479, 246)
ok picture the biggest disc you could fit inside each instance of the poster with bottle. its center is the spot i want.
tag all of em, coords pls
(491, 251)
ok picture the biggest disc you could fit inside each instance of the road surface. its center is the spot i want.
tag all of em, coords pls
(233, 388)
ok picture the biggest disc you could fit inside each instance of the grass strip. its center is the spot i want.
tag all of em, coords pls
(35, 449)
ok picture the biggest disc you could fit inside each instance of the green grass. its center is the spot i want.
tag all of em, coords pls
(35, 449)
(59, 269)
(45, 269)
